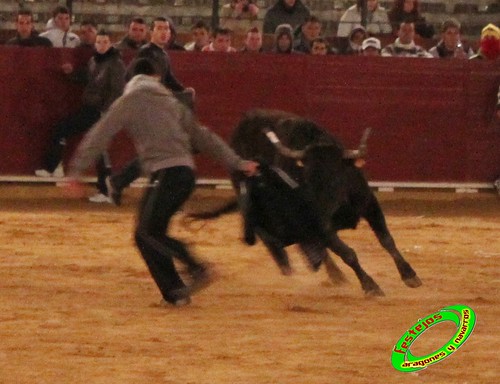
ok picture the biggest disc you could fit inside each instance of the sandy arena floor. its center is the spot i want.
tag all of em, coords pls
(78, 305)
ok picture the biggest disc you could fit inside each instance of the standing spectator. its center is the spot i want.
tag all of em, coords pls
(60, 35)
(88, 33)
(292, 12)
(136, 36)
(489, 44)
(239, 16)
(405, 46)
(371, 47)
(105, 79)
(155, 52)
(283, 39)
(409, 11)
(172, 44)
(165, 134)
(356, 38)
(377, 19)
(309, 30)
(221, 41)
(26, 36)
(450, 45)
(253, 41)
(200, 36)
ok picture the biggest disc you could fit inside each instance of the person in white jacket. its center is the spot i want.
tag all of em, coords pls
(377, 21)
(60, 35)
(165, 133)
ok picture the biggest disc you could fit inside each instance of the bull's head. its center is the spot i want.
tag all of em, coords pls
(299, 154)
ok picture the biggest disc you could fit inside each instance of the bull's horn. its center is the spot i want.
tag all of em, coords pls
(362, 149)
(296, 154)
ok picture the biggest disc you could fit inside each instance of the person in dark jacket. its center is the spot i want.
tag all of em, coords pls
(104, 78)
(165, 133)
(292, 12)
(26, 36)
(136, 36)
(409, 11)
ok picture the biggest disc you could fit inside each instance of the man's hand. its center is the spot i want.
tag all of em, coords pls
(74, 189)
(250, 168)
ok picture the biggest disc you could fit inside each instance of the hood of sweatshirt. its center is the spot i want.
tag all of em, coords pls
(141, 83)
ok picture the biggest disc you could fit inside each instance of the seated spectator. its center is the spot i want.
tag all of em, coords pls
(377, 19)
(292, 12)
(88, 32)
(371, 47)
(136, 37)
(105, 79)
(200, 35)
(221, 41)
(253, 41)
(60, 35)
(450, 45)
(26, 35)
(409, 11)
(308, 31)
(239, 15)
(283, 39)
(405, 46)
(489, 44)
(320, 46)
(356, 38)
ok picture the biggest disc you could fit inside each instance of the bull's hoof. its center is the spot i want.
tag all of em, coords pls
(375, 293)
(286, 270)
(336, 276)
(413, 282)
(371, 288)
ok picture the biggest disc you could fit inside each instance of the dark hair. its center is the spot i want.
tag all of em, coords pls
(222, 31)
(89, 22)
(450, 23)
(103, 32)
(138, 20)
(144, 66)
(159, 18)
(253, 30)
(24, 12)
(200, 24)
(60, 9)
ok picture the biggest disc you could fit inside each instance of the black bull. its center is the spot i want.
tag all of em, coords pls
(309, 189)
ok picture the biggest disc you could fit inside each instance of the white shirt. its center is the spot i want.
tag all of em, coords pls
(61, 39)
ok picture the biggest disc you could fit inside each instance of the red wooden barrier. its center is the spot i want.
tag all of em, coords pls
(431, 119)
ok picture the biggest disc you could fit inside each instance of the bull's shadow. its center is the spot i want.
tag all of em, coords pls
(309, 188)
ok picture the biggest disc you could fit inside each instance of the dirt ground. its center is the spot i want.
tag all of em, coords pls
(77, 304)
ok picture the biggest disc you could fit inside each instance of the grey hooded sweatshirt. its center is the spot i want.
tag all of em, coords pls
(165, 133)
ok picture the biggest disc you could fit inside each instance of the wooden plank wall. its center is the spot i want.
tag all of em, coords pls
(432, 119)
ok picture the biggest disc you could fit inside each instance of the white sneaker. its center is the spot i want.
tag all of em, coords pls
(59, 171)
(100, 198)
(43, 173)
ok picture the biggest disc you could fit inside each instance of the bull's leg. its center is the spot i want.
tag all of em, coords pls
(376, 219)
(351, 259)
(336, 276)
(277, 251)
(315, 253)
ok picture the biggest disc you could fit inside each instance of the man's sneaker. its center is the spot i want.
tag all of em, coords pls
(100, 198)
(58, 172)
(497, 185)
(114, 194)
(43, 173)
(180, 302)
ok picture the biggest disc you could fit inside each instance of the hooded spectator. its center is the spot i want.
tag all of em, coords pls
(292, 12)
